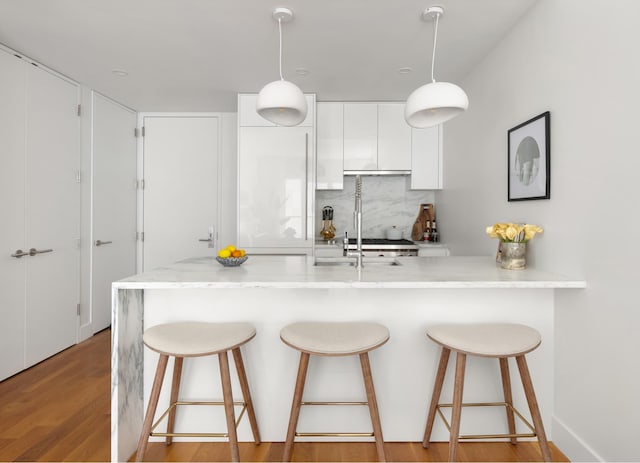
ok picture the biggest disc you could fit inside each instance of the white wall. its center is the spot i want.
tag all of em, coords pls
(578, 59)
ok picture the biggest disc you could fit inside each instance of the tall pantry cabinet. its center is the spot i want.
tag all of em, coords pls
(40, 210)
(276, 182)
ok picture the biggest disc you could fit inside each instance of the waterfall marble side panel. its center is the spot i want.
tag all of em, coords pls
(127, 376)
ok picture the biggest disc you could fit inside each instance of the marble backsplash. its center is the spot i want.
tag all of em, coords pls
(386, 201)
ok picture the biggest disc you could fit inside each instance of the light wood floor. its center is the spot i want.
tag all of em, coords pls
(59, 410)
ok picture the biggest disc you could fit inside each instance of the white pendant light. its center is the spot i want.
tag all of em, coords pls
(436, 102)
(281, 101)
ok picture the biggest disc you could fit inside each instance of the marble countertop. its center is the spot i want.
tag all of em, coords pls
(299, 272)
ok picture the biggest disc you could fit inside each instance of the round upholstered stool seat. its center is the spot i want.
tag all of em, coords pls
(486, 339)
(181, 340)
(334, 338)
(497, 340)
(194, 339)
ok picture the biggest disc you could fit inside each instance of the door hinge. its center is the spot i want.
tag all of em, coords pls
(78, 309)
(143, 131)
(136, 132)
(78, 176)
(79, 110)
(140, 184)
(140, 236)
(79, 243)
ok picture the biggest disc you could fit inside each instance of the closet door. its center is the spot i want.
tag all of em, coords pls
(114, 204)
(12, 269)
(52, 220)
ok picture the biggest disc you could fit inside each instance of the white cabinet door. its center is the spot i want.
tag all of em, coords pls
(113, 229)
(52, 214)
(12, 211)
(426, 158)
(181, 188)
(394, 138)
(275, 188)
(329, 153)
(250, 118)
(360, 136)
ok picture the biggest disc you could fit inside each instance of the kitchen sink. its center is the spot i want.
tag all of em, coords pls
(351, 261)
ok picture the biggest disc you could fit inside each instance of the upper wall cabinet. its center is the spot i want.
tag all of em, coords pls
(371, 138)
(426, 158)
(330, 146)
(376, 137)
(250, 118)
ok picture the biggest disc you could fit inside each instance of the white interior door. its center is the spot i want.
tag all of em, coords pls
(114, 204)
(52, 214)
(181, 188)
(12, 269)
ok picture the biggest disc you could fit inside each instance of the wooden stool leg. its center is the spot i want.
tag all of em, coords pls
(246, 393)
(435, 397)
(151, 408)
(456, 411)
(228, 405)
(373, 405)
(508, 398)
(295, 406)
(175, 390)
(533, 407)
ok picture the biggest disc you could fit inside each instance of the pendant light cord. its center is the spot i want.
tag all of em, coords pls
(280, 58)
(435, 40)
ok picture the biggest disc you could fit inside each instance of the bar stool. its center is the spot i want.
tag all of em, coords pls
(498, 340)
(334, 339)
(197, 339)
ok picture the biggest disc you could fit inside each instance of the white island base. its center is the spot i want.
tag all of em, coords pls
(403, 369)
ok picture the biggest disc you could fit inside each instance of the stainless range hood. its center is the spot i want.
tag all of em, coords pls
(377, 172)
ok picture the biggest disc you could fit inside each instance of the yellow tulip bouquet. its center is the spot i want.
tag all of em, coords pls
(513, 232)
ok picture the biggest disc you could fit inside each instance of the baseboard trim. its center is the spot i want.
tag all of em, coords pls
(569, 443)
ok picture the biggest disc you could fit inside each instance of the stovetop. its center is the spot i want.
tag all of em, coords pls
(382, 241)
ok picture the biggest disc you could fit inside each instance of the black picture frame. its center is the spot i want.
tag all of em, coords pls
(529, 159)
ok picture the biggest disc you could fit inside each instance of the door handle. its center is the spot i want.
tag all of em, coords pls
(19, 253)
(100, 243)
(210, 239)
(34, 251)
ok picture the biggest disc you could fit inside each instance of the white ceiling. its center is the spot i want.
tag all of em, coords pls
(195, 55)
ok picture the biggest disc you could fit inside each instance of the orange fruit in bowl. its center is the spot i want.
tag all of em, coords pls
(236, 253)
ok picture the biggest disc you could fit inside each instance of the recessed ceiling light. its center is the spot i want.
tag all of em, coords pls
(406, 70)
(120, 72)
(302, 71)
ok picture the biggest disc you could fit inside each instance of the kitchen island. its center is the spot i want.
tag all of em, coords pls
(271, 291)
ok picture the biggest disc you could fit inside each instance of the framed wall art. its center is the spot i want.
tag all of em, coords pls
(529, 169)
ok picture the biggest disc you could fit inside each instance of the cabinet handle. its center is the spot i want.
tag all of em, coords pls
(34, 251)
(306, 186)
(19, 253)
(100, 243)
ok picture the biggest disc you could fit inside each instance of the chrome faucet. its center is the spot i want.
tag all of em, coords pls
(357, 222)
